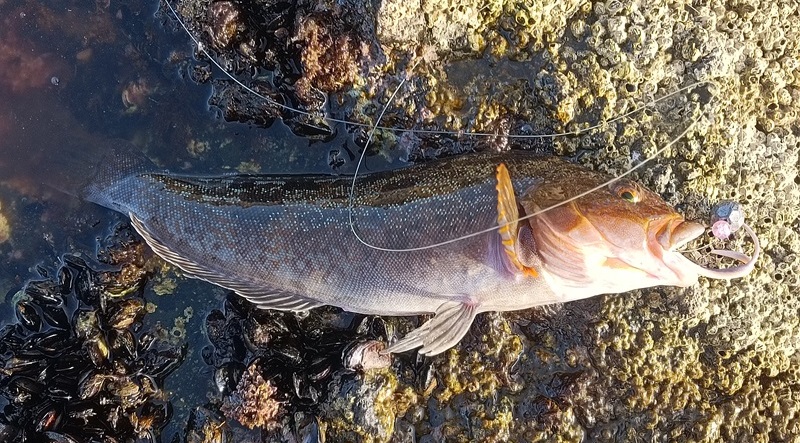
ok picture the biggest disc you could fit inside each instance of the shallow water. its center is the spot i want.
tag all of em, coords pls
(61, 96)
(75, 77)
(64, 72)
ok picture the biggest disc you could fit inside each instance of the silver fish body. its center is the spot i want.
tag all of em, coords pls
(290, 235)
(285, 242)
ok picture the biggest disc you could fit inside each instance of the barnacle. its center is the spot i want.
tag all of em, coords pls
(713, 362)
(225, 20)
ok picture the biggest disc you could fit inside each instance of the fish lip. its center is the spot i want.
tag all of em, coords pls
(667, 236)
(677, 232)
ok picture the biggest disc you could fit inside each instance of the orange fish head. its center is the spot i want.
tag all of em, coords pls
(617, 238)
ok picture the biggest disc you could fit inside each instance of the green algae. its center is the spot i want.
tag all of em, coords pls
(365, 408)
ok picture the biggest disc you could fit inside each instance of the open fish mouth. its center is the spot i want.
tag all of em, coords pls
(738, 271)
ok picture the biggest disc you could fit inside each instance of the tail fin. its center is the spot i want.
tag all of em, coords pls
(117, 163)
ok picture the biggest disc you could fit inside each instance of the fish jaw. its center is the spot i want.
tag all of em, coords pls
(585, 255)
(581, 259)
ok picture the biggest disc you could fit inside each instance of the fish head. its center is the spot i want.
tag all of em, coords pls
(617, 238)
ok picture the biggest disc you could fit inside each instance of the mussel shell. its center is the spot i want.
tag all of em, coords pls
(24, 389)
(70, 346)
(24, 365)
(9, 432)
(49, 420)
(127, 389)
(319, 369)
(91, 385)
(29, 315)
(55, 317)
(8, 335)
(61, 387)
(126, 313)
(147, 342)
(309, 432)
(215, 327)
(159, 365)
(123, 344)
(207, 426)
(305, 390)
(69, 363)
(85, 323)
(158, 412)
(97, 350)
(57, 437)
(66, 274)
(366, 355)
(227, 376)
(43, 293)
(52, 343)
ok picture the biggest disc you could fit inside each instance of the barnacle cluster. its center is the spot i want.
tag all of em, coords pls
(225, 21)
(77, 364)
(330, 59)
(311, 50)
(713, 362)
(655, 364)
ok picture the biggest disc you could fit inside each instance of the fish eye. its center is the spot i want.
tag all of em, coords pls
(629, 194)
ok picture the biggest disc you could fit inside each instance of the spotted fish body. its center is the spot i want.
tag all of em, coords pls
(285, 242)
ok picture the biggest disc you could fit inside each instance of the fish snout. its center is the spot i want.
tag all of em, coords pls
(677, 233)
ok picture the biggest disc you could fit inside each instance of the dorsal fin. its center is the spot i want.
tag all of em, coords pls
(507, 215)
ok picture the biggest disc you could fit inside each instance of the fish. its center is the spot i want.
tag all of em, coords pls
(287, 242)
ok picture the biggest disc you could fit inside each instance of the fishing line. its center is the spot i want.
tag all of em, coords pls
(201, 47)
(494, 228)
(352, 192)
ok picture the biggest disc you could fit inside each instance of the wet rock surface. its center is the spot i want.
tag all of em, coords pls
(280, 372)
(717, 361)
(656, 364)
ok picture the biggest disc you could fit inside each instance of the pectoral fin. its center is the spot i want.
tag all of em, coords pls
(451, 322)
(507, 216)
(263, 297)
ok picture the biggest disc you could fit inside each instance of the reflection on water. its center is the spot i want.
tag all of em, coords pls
(73, 78)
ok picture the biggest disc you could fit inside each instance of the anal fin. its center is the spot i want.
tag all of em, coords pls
(259, 294)
(507, 219)
(451, 322)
